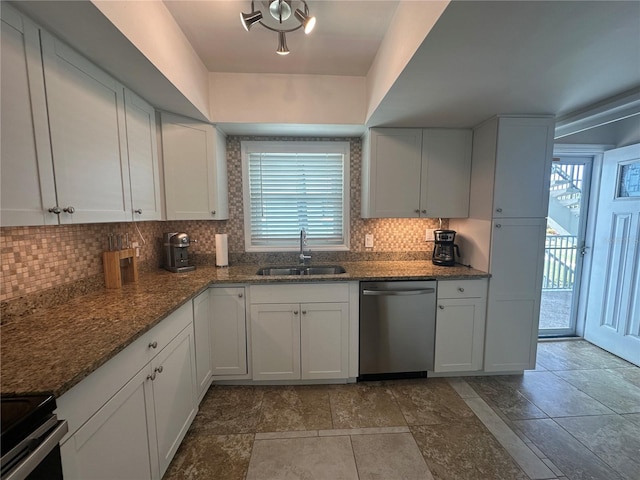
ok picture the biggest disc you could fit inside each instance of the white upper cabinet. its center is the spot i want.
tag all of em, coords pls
(86, 122)
(142, 150)
(28, 189)
(446, 173)
(511, 166)
(409, 172)
(195, 169)
(391, 167)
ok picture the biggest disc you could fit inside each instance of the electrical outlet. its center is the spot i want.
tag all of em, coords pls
(368, 240)
(136, 245)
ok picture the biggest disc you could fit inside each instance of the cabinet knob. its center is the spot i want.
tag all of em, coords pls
(304, 312)
(498, 225)
(158, 370)
(55, 210)
(424, 212)
(460, 289)
(213, 212)
(417, 210)
(295, 312)
(152, 377)
(499, 210)
(70, 210)
(240, 295)
(153, 344)
(138, 211)
(441, 307)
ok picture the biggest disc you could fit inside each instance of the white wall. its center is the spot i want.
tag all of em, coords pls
(277, 98)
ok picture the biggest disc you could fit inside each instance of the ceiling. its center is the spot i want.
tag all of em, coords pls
(344, 42)
(480, 59)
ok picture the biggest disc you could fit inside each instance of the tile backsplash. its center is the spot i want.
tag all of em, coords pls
(35, 259)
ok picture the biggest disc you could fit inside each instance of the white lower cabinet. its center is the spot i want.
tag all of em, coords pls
(228, 332)
(460, 325)
(300, 340)
(135, 433)
(202, 326)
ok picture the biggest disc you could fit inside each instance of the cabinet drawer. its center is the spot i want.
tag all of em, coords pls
(462, 288)
(297, 293)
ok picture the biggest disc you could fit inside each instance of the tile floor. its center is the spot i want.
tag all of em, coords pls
(577, 416)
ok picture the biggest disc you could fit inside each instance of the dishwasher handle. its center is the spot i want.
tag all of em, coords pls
(421, 291)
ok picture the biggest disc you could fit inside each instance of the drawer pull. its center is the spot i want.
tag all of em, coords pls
(158, 369)
(152, 377)
(153, 344)
(240, 295)
(295, 312)
(460, 289)
(441, 307)
(304, 312)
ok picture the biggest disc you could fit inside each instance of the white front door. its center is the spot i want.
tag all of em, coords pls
(613, 308)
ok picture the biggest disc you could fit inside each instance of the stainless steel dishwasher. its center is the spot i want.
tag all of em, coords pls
(397, 328)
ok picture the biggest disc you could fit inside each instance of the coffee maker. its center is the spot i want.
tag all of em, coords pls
(445, 250)
(175, 252)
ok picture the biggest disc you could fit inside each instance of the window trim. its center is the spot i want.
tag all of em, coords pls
(296, 146)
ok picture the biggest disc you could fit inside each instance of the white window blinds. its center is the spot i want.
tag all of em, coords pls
(288, 191)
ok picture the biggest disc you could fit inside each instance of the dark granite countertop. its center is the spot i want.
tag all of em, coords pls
(54, 349)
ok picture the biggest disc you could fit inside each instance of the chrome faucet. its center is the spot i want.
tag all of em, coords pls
(303, 243)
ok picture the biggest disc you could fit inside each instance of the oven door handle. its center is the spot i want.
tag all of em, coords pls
(26, 466)
(422, 291)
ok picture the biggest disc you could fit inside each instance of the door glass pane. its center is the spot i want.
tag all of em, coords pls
(562, 244)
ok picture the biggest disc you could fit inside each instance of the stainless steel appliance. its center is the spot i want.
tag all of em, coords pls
(397, 328)
(444, 249)
(175, 248)
(30, 439)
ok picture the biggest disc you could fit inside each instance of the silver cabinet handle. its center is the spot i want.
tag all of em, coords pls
(379, 293)
(213, 212)
(460, 289)
(499, 210)
(138, 211)
(152, 377)
(295, 312)
(304, 312)
(55, 210)
(240, 295)
(70, 210)
(158, 369)
(153, 344)
(441, 307)
(498, 225)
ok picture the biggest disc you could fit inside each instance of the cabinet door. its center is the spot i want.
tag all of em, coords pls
(517, 256)
(446, 173)
(195, 182)
(27, 184)
(115, 442)
(202, 325)
(228, 331)
(459, 334)
(275, 341)
(142, 150)
(324, 340)
(391, 179)
(86, 121)
(174, 395)
(523, 167)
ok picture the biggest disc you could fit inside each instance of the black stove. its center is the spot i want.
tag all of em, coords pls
(30, 436)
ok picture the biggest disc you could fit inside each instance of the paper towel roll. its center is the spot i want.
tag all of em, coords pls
(222, 250)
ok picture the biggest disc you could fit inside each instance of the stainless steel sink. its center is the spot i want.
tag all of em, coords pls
(302, 270)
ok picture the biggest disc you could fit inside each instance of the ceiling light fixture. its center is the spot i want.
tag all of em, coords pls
(280, 18)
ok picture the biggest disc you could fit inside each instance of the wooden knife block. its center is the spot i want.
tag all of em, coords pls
(115, 273)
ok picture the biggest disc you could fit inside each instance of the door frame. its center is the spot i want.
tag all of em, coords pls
(597, 152)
